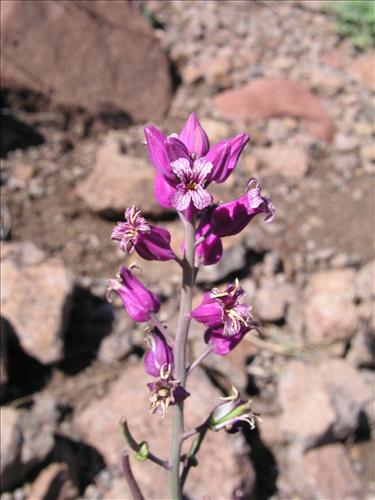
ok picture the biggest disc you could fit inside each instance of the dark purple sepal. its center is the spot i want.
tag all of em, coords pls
(155, 245)
(194, 137)
(221, 343)
(157, 151)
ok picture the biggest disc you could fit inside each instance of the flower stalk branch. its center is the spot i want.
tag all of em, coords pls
(188, 278)
(199, 359)
(130, 479)
(185, 166)
(141, 449)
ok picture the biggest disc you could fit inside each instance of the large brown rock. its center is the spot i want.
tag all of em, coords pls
(118, 181)
(267, 98)
(222, 465)
(35, 300)
(98, 55)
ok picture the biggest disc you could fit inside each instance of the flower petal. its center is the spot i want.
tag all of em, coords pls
(182, 169)
(201, 198)
(181, 199)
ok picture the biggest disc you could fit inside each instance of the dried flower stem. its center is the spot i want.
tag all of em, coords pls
(188, 278)
(130, 479)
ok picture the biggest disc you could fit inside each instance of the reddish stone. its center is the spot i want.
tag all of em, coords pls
(331, 473)
(98, 55)
(263, 99)
(332, 58)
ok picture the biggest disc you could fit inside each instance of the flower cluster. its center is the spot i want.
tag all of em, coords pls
(185, 165)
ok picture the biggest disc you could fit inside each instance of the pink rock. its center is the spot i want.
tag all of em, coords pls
(288, 161)
(364, 69)
(118, 181)
(127, 396)
(320, 401)
(31, 287)
(308, 414)
(267, 98)
(331, 473)
(330, 311)
(100, 55)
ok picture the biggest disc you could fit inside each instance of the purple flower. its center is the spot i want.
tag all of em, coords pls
(210, 250)
(191, 189)
(158, 355)
(185, 165)
(157, 151)
(163, 191)
(223, 310)
(230, 218)
(138, 301)
(232, 412)
(224, 157)
(194, 137)
(166, 391)
(150, 242)
(221, 343)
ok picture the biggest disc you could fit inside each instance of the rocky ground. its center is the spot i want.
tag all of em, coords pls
(71, 362)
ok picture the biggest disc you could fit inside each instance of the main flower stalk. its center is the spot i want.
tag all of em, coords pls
(188, 280)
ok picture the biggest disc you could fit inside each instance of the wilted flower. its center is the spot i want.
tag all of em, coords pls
(138, 301)
(231, 412)
(166, 391)
(230, 218)
(159, 353)
(223, 309)
(150, 242)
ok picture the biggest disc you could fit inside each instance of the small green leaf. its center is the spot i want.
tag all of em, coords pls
(142, 453)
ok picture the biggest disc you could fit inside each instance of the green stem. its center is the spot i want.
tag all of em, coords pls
(188, 278)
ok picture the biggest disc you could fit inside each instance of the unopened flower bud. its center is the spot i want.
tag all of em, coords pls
(158, 354)
(194, 137)
(138, 301)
